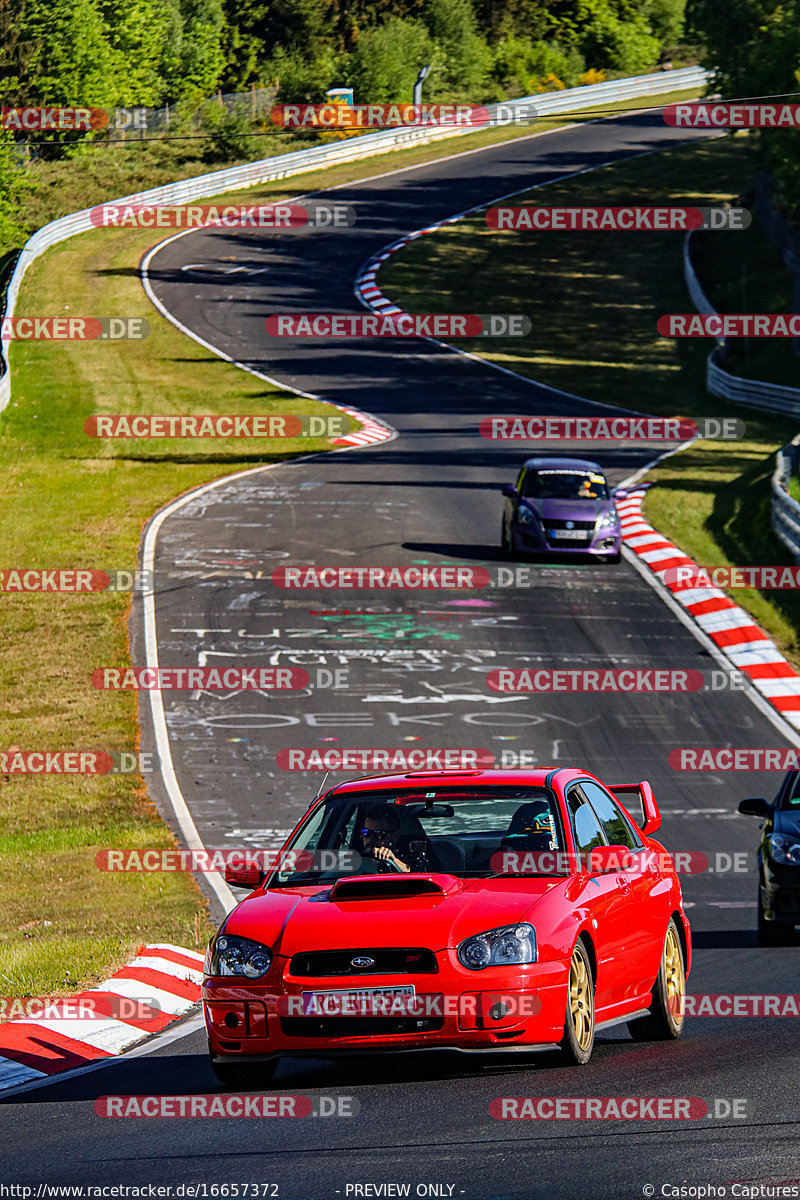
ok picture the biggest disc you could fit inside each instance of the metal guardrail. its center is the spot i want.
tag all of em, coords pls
(753, 393)
(282, 166)
(785, 509)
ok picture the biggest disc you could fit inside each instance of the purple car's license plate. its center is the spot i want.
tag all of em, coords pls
(575, 535)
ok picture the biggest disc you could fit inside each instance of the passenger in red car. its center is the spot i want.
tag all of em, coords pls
(531, 828)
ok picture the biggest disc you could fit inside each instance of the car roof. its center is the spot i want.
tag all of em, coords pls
(535, 777)
(580, 464)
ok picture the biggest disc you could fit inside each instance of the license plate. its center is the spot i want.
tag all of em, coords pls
(575, 535)
(353, 1002)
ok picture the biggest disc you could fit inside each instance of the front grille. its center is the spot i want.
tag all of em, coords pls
(552, 524)
(306, 1027)
(387, 962)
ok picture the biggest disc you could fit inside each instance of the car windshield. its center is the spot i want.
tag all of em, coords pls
(565, 484)
(463, 833)
(791, 795)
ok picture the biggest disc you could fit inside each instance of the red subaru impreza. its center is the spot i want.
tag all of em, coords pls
(469, 911)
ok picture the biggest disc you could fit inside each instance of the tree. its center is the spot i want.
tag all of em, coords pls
(386, 61)
(15, 187)
(465, 56)
(753, 47)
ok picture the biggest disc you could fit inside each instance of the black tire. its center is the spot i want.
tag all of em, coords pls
(666, 1017)
(772, 933)
(614, 558)
(505, 540)
(578, 1042)
(241, 1076)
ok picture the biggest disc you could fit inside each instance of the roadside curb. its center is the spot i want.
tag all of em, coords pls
(164, 975)
(372, 430)
(732, 630)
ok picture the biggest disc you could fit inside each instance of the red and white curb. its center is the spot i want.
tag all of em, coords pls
(367, 290)
(372, 430)
(730, 628)
(168, 976)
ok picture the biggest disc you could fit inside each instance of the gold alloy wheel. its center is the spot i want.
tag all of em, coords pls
(581, 1001)
(674, 977)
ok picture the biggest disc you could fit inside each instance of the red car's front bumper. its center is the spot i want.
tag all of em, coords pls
(453, 1008)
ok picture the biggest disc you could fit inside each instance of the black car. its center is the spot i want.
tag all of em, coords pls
(778, 862)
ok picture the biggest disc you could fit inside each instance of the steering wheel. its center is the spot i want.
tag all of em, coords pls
(383, 865)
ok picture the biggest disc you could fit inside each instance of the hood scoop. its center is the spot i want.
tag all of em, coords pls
(387, 888)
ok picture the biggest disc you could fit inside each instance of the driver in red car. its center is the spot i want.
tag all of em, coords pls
(380, 838)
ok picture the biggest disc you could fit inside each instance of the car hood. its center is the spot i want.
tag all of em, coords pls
(787, 821)
(569, 510)
(294, 920)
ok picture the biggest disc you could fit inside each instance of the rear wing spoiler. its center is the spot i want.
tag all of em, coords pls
(651, 817)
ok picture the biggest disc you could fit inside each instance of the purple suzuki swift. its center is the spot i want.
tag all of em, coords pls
(561, 506)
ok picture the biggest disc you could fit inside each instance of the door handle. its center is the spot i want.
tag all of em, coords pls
(623, 883)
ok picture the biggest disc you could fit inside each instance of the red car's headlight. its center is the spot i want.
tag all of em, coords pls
(510, 945)
(231, 955)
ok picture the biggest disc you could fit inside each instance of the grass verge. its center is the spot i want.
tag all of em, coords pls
(594, 300)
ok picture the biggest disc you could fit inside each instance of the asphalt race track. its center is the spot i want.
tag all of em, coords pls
(416, 667)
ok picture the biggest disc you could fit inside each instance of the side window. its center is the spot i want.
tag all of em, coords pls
(585, 825)
(615, 827)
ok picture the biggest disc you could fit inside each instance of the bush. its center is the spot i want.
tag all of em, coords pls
(618, 45)
(522, 67)
(231, 132)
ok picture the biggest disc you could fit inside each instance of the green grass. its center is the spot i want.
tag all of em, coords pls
(594, 300)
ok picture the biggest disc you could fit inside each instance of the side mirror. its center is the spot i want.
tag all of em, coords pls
(755, 806)
(619, 493)
(509, 490)
(244, 877)
(605, 859)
